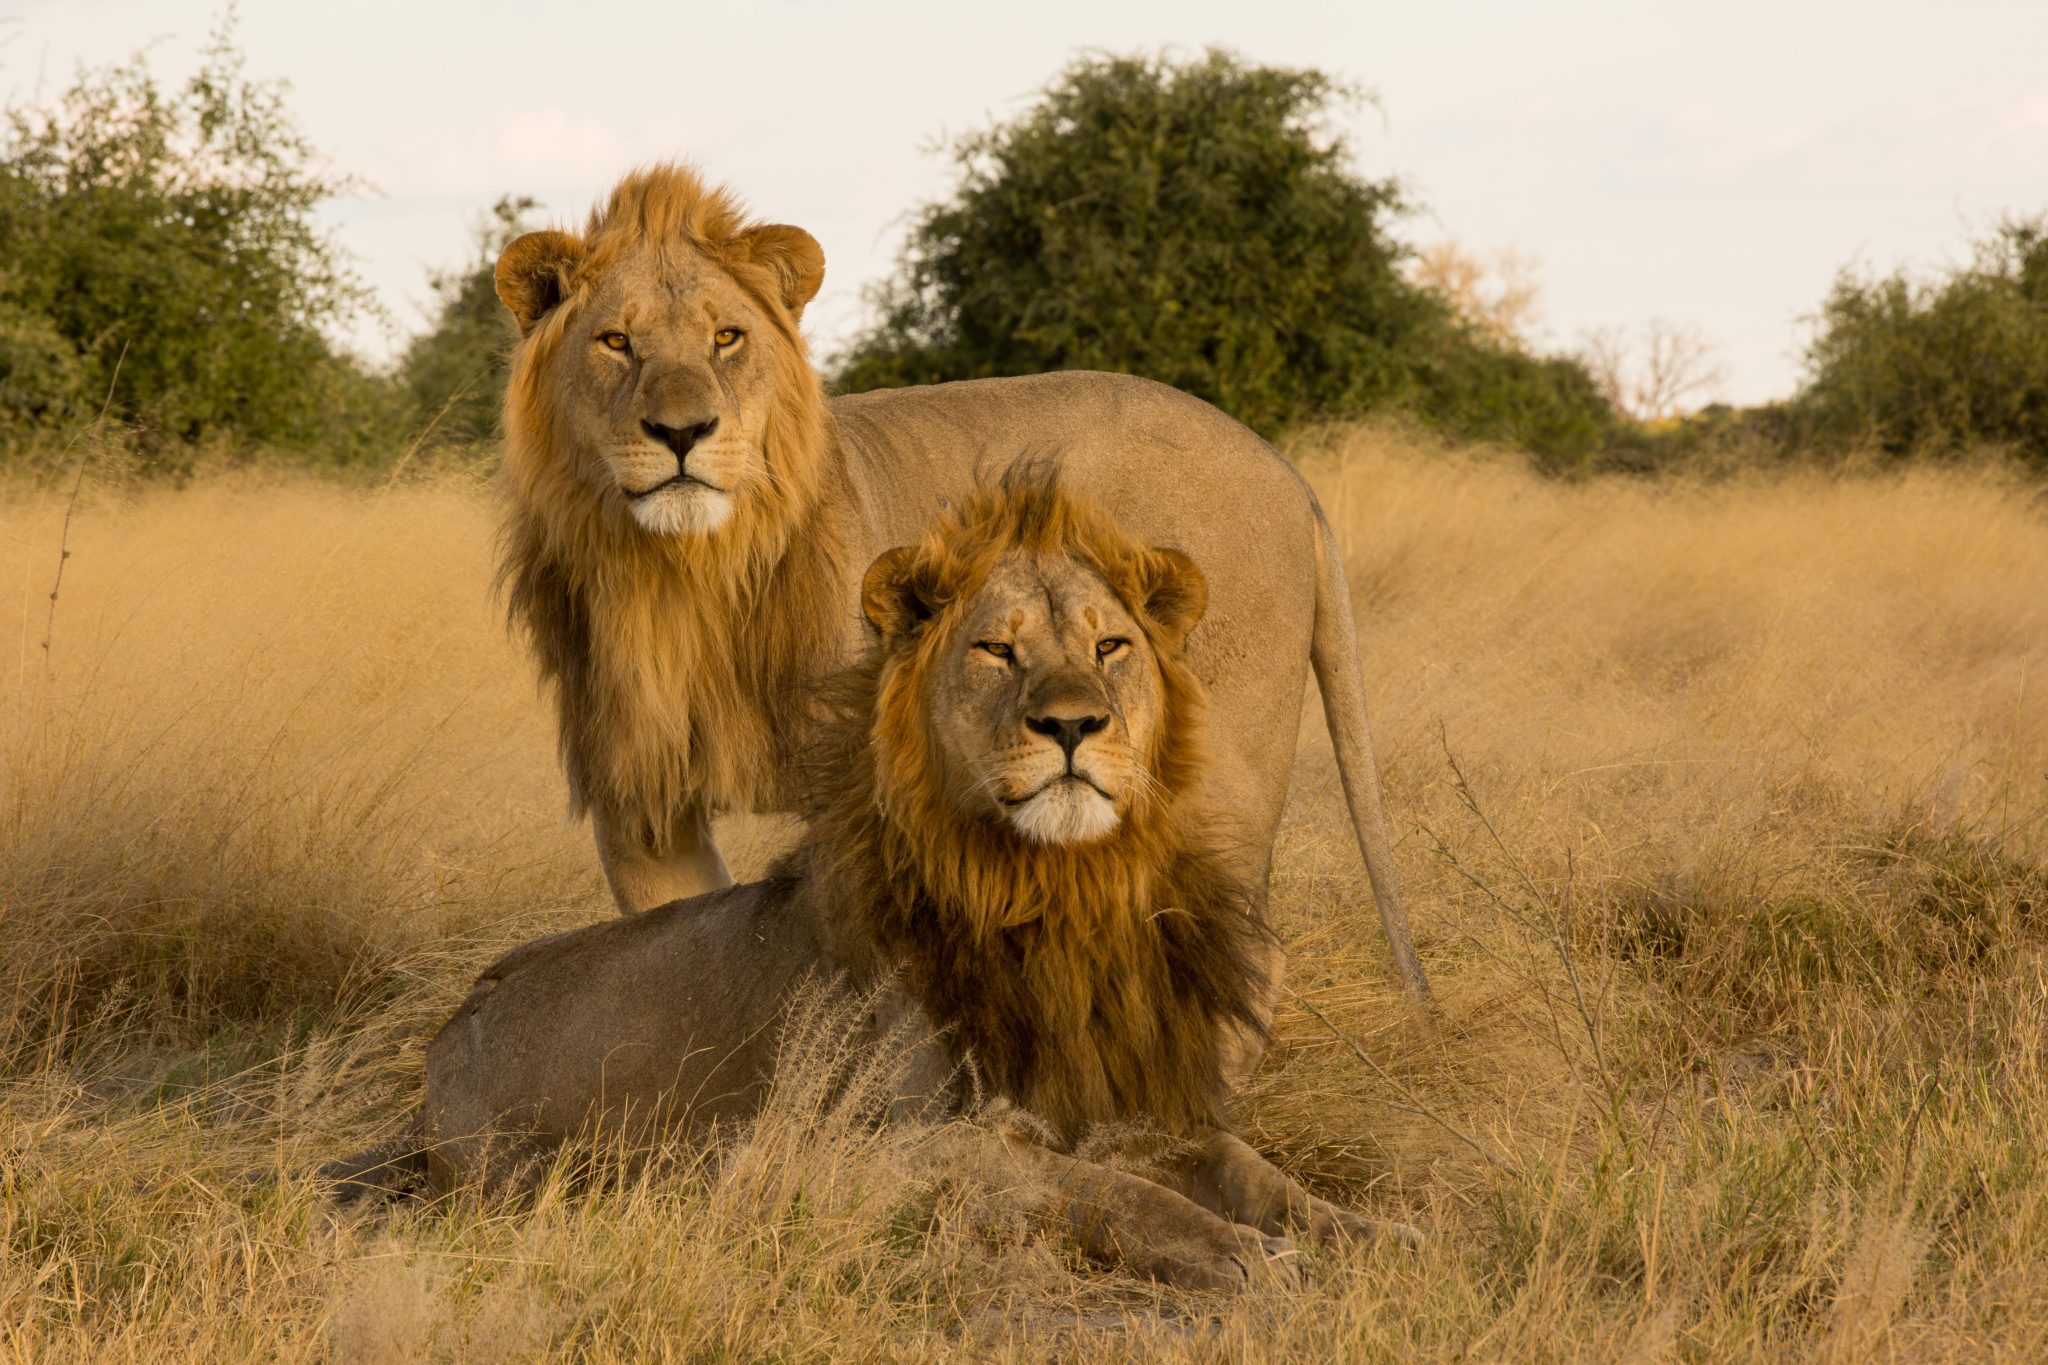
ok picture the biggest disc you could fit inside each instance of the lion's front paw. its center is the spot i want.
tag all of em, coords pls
(1268, 1257)
(1231, 1258)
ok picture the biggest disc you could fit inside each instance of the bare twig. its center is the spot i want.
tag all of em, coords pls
(77, 487)
(1652, 374)
(1591, 1011)
(1415, 1103)
(1450, 857)
(1589, 1014)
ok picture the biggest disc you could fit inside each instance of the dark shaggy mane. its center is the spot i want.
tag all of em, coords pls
(1090, 983)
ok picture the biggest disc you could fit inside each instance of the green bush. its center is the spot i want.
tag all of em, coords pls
(1197, 223)
(1547, 405)
(171, 234)
(1937, 366)
(454, 372)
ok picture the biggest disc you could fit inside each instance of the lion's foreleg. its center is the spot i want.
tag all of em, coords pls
(1244, 1045)
(1116, 1217)
(1225, 1176)
(645, 873)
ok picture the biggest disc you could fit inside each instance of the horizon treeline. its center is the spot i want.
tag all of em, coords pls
(1197, 221)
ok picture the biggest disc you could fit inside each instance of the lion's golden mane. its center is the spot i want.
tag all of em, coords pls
(1095, 982)
(696, 632)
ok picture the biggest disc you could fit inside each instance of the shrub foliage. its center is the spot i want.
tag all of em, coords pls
(171, 233)
(1942, 365)
(454, 372)
(1198, 223)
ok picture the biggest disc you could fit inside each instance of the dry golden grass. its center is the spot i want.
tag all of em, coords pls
(1726, 841)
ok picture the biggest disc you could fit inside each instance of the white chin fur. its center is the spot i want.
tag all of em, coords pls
(683, 511)
(1064, 813)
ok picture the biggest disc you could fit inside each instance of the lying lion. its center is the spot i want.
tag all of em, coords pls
(1000, 847)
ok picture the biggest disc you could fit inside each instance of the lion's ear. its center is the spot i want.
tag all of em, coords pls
(793, 254)
(533, 274)
(893, 596)
(1176, 593)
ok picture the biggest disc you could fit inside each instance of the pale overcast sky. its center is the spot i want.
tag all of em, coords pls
(1709, 164)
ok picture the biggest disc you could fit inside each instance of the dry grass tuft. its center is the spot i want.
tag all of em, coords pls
(1726, 806)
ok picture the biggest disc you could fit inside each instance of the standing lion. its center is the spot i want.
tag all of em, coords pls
(689, 515)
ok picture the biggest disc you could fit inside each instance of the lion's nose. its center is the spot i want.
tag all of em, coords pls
(679, 439)
(1068, 730)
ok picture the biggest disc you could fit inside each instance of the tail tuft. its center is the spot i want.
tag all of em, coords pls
(391, 1170)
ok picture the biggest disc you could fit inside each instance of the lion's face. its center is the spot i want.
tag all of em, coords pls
(662, 368)
(666, 372)
(1043, 690)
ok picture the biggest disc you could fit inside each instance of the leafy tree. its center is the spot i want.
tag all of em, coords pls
(454, 372)
(1547, 405)
(176, 226)
(1940, 365)
(1198, 223)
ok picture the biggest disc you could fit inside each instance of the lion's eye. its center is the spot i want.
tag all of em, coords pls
(1110, 646)
(996, 648)
(614, 341)
(725, 336)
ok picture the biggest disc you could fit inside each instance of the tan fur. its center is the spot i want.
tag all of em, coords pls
(1117, 967)
(685, 522)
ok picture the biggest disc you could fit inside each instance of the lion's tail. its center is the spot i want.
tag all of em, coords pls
(393, 1169)
(1334, 652)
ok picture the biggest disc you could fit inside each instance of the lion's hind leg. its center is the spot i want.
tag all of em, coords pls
(1225, 1176)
